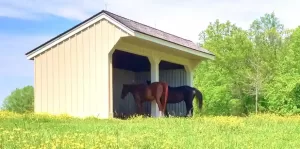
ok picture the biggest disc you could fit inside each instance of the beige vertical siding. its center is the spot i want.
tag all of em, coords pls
(86, 70)
(80, 72)
(38, 86)
(173, 77)
(93, 92)
(104, 59)
(56, 81)
(61, 77)
(72, 77)
(44, 82)
(68, 76)
(98, 62)
(50, 81)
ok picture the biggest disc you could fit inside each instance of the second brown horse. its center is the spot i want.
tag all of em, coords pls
(157, 91)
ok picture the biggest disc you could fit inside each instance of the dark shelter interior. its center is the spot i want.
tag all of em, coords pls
(138, 65)
(129, 61)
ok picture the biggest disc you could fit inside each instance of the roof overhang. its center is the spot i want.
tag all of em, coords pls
(94, 19)
(173, 45)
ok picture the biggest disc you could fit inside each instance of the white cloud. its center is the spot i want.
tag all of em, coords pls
(182, 18)
(72, 9)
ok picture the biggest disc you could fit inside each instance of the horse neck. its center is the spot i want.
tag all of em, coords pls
(131, 88)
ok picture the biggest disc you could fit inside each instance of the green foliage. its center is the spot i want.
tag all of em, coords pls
(283, 94)
(220, 79)
(255, 69)
(20, 100)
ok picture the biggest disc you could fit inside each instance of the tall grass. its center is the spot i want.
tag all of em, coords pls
(45, 131)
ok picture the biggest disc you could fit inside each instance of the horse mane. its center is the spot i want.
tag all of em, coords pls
(131, 87)
(148, 82)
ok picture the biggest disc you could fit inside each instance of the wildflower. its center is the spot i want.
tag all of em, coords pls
(17, 129)
(5, 132)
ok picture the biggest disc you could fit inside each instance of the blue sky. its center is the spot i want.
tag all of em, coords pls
(25, 24)
(18, 36)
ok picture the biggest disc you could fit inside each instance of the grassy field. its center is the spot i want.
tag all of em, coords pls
(44, 131)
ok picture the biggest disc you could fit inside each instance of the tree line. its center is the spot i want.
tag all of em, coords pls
(255, 71)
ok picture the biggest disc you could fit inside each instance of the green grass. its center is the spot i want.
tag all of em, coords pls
(44, 131)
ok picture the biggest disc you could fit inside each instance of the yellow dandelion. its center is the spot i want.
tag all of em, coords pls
(17, 129)
(5, 132)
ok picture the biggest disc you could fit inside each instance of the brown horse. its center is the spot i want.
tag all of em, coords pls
(184, 93)
(157, 91)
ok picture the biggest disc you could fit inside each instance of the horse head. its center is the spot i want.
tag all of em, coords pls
(148, 82)
(125, 91)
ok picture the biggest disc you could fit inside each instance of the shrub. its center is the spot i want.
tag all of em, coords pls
(20, 100)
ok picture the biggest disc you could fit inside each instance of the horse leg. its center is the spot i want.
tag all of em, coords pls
(189, 105)
(166, 112)
(138, 103)
(159, 104)
(140, 107)
(142, 110)
(163, 100)
(164, 106)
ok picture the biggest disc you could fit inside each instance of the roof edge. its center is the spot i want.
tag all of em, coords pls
(174, 45)
(106, 15)
(81, 23)
(66, 34)
(149, 26)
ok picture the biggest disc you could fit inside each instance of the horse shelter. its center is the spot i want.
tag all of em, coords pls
(81, 71)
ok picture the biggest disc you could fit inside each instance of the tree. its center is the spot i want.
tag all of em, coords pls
(20, 100)
(222, 80)
(283, 91)
(266, 35)
(255, 70)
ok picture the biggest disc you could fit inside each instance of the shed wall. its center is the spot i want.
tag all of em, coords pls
(72, 76)
(173, 77)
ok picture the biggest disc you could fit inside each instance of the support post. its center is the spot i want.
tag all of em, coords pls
(189, 77)
(189, 72)
(154, 61)
(110, 82)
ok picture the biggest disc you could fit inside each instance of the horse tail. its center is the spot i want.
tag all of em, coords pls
(166, 91)
(199, 97)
